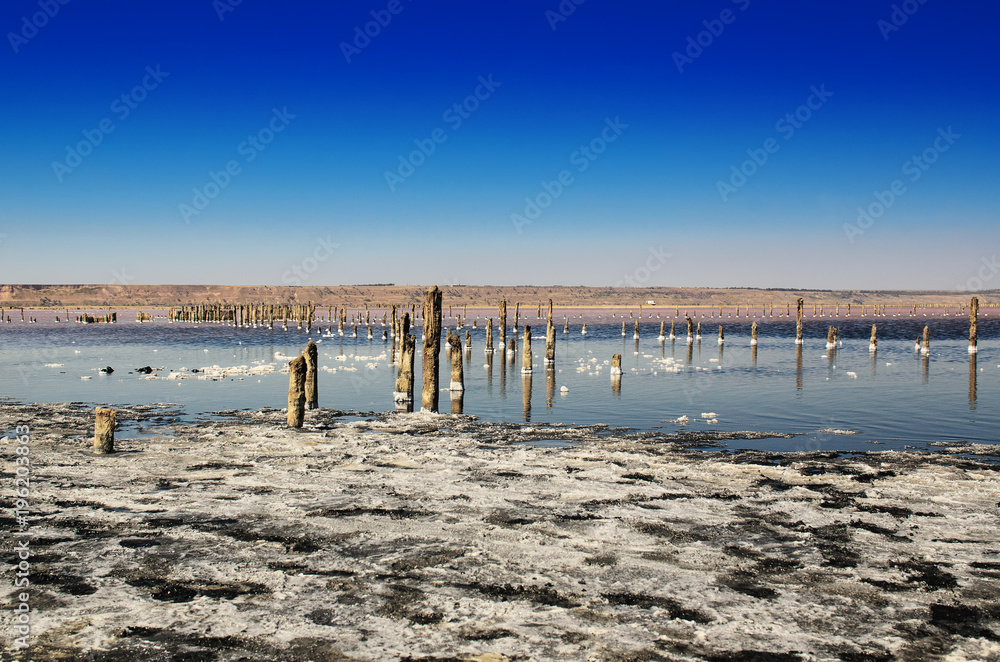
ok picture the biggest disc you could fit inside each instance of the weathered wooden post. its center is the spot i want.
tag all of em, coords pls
(973, 376)
(502, 327)
(697, 333)
(973, 320)
(672, 336)
(798, 322)
(526, 395)
(296, 392)
(722, 338)
(550, 343)
(566, 325)
(830, 342)
(489, 335)
(623, 329)
(104, 430)
(312, 380)
(432, 348)
(526, 357)
(457, 374)
(690, 325)
(403, 396)
(873, 342)
(635, 332)
(925, 345)
(517, 315)
(583, 331)
(616, 365)
(753, 333)
(511, 350)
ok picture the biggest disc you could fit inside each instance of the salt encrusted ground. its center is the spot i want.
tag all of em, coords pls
(417, 537)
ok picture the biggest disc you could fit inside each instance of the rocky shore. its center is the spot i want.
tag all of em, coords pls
(391, 537)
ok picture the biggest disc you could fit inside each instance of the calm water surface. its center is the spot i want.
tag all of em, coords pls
(843, 399)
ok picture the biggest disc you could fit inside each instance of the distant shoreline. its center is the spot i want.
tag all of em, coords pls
(58, 297)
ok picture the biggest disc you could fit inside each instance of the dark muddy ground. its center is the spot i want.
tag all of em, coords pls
(419, 537)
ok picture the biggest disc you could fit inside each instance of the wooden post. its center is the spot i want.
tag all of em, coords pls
(432, 348)
(697, 333)
(830, 342)
(550, 343)
(104, 431)
(623, 329)
(635, 332)
(511, 350)
(296, 392)
(502, 327)
(517, 314)
(616, 365)
(312, 380)
(566, 325)
(690, 325)
(672, 336)
(925, 345)
(722, 338)
(526, 357)
(753, 333)
(489, 335)
(403, 396)
(798, 322)
(973, 320)
(457, 374)
(662, 337)
(873, 342)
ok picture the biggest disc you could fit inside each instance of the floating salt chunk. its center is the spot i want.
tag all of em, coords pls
(852, 375)
(564, 389)
(86, 377)
(53, 365)
(710, 414)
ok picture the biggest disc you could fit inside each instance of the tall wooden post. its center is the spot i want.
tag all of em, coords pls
(873, 342)
(489, 335)
(798, 322)
(925, 345)
(550, 343)
(312, 379)
(457, 374)
(403, 396)
(753, 333)
(296, 392)
(973, 320)
(526, 357)
(502, 327)
(432, 348)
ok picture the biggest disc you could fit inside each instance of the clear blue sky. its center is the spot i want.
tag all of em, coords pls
(419, 152)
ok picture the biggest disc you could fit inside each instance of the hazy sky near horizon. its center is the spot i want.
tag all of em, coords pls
(575, 142)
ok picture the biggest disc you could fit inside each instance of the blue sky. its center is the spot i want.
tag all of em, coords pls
(723, 143)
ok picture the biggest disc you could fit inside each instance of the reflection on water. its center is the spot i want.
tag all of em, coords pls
(896, 401)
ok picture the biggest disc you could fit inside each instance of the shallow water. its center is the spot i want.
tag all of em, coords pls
(841, 400)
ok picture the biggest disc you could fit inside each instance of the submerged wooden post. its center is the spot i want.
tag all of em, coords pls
(312, 380)
(753, 333)
(662, 337)
(873, 342)
(672, 336)
(830, 342)
(296, 392)
(104, 431)
(973, 319)
(432, 348)
(550, 343)
(616, 365)
(517, 314)
(566, 325)
(798, 322)
(489, 335)
(457, 374)
(526, 357)
(722, 338)
(511, 349)
(635, 331)
(925, 345)
(690, 323)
